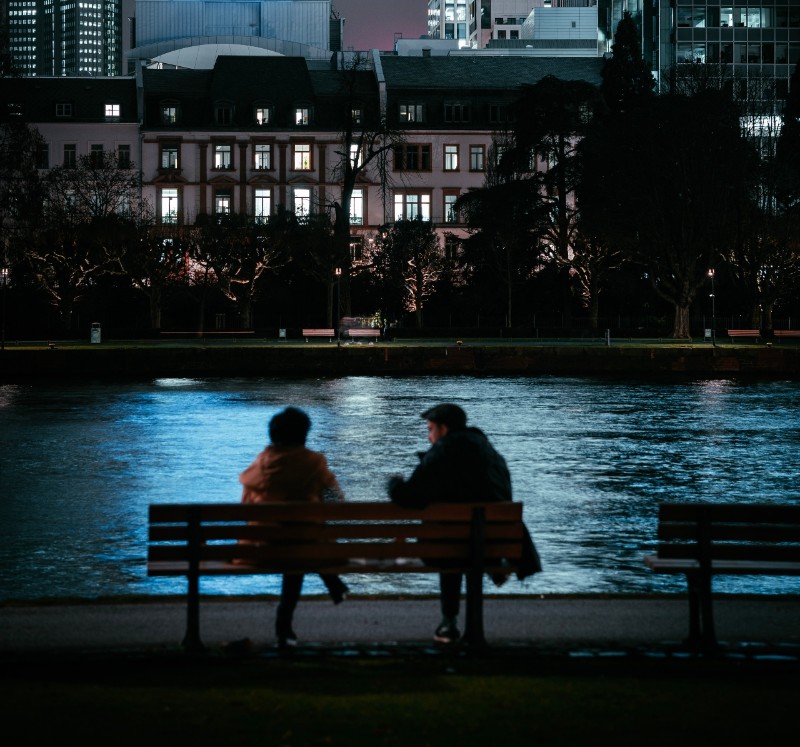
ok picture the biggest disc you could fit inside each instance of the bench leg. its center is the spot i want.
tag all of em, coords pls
(191, 640)
(702, 633)
(474, 636)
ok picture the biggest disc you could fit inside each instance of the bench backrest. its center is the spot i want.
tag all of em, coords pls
(277, 537)
(732, 532)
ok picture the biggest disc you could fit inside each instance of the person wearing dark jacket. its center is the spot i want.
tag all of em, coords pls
(461, 466)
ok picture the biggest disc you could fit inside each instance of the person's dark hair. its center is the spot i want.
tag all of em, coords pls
(447, 414)
(289, 427)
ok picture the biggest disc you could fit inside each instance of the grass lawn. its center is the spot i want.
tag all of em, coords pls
(405, 701)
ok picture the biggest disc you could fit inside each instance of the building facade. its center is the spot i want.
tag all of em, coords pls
(254, 135)
(65, 38)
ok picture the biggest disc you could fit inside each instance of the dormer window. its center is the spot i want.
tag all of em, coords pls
(357, 115)
(263, 115)
(302, 116)
(64, 110)
(169, 113)
(112, 111)
(223, 113)
(412, 113)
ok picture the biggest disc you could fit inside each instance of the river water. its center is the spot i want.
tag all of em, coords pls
(591, 459)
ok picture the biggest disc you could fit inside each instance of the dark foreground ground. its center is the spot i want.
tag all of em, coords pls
(558, 671)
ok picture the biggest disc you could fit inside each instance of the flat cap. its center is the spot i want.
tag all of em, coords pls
(447, 414)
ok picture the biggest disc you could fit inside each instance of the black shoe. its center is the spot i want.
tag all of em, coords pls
(340, 594)
(447, 632)
(287, 642)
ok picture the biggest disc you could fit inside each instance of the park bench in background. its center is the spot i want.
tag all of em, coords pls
(706, 540)
(755, 333)
(219, 539)
(778, 333)
(329, 333)
(364, 332)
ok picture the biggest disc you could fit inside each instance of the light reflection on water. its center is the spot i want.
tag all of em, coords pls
(590, 459)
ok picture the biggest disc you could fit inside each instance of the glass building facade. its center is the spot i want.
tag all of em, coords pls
(65, 37)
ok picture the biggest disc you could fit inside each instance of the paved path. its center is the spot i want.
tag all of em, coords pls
(547, 622)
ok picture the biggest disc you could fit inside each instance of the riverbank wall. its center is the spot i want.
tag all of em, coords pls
(397, 359)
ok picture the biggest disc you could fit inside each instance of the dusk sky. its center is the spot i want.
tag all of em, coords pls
(371, 24)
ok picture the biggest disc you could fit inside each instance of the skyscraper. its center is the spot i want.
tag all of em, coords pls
(65, 37)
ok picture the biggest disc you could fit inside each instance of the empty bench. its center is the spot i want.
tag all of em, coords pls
(778, 333)
(329, 333)
(754, 333)
(707, 540)
(365, 332)
(198, 540)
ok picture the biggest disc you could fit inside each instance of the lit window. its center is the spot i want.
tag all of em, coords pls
(302, 116)
(262, 205)
(357, 207)
(263, 156)
(356, 155)
(222, 156)
(169, 114)
(450, 213)
(412, 205)
(301, 156)
(451, 158)
(302, 202)
(411, 113)
(169, 156)
(263, 115)
(222, 202)
(112, 111)
(356, 115)
(169, 205)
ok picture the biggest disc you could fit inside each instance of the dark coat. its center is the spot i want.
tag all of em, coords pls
(462, 467)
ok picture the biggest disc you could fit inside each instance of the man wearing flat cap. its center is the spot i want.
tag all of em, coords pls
(460, 467)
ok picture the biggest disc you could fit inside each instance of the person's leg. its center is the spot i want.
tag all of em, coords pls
(291, 586)
(450, 594)
(335, 586)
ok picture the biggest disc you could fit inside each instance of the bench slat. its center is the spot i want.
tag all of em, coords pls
(311, 512)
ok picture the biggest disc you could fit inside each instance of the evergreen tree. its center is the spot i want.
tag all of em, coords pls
(787, 154)
(626, 77)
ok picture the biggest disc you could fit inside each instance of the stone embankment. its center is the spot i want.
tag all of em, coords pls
(398, 359)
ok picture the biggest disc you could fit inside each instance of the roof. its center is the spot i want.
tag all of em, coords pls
(87, 97)
(484, 72)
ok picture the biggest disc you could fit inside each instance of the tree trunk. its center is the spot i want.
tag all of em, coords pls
(680, 328)
(154, 299)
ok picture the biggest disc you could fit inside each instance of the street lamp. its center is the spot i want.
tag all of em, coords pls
(5, 272)
(713, 310)
(338, 273)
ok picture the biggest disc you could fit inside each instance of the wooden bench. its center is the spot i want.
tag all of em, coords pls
(786, 333)
(198, 540)
(329, 333)
(706, 540)
(744, 333)
(364, 332)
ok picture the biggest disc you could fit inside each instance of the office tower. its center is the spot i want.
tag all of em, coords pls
(65, 37)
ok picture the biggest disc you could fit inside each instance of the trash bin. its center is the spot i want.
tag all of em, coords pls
(95, 336)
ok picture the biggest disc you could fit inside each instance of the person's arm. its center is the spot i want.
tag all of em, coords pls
(426, 484)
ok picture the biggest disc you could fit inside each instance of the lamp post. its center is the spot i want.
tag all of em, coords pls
(338, 273)
(713, 310)
(5, 272)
